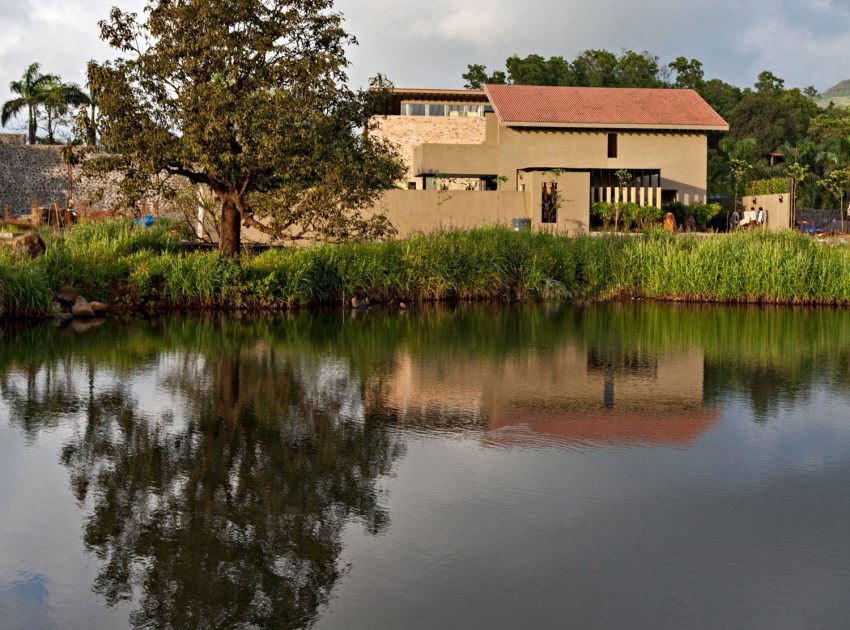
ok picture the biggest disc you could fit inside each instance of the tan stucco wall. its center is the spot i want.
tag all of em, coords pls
(778, 213)
(573, 200)
(681, 157)
(408, 132)
(416, 211)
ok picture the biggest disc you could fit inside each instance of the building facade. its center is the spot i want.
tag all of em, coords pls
(542, 154)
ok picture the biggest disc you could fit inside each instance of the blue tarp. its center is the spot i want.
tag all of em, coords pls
(145, 220)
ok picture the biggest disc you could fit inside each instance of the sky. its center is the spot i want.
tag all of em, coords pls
(429, 44)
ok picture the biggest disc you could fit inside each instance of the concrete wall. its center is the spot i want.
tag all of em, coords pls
(408, 132)
(777, 209)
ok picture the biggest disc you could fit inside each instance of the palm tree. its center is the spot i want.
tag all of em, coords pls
(29, 91)
(57, 98)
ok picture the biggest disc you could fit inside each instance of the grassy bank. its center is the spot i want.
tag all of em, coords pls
(136, 268)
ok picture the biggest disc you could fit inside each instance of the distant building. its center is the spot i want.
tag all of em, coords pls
(544, 154)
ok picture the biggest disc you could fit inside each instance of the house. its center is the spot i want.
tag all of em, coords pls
(542, 154)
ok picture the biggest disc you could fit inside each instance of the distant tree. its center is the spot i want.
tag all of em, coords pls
(811, 92)
(763, 117)
(769, 83)
(86, 120)
(476, 77)
(689, 73)
(248, 98)
(722, 96)
(639, 70)
(57, 100)
(30, 94)
(596, 68)
(535, 70)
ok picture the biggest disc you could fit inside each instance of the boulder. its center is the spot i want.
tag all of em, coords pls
(690, 224)
(670, 222)
(360, 305)
(27, 245)
(66, 296)
(99, 308)
(81, 308)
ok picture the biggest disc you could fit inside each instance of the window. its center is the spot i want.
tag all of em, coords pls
(550, 203)
(411, 185)
(442, 109)
(612, 145)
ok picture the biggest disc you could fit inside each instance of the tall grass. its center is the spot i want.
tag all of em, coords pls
(116, 262)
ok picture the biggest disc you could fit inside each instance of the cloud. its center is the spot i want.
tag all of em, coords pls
(429, 45)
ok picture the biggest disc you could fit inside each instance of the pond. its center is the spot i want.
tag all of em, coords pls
(492, 466)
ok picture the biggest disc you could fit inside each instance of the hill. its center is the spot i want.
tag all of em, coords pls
(838, 94)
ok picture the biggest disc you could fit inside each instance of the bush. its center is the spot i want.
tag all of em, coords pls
(604, 212)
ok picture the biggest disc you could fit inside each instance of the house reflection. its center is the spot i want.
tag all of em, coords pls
(573, 395)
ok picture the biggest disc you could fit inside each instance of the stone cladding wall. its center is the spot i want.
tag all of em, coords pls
(408, 132)
(13, 138)
(37, 173)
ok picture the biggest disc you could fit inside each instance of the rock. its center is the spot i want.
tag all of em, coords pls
(690, 224)
(99, 308)
(81, 308)
(63, 316)
(67, 296)
(402, 306)
(359, 304)
(27, 245)
(670, 222)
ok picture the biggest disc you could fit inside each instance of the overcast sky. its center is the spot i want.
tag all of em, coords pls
(429, 44)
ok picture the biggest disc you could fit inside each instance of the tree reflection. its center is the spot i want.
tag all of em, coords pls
(229, 513)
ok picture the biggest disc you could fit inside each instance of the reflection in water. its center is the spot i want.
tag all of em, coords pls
(228, 511)
(218, 460)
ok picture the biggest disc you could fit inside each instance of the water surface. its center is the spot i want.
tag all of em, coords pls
(641, 466)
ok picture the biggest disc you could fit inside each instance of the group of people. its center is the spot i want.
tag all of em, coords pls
(735, 219)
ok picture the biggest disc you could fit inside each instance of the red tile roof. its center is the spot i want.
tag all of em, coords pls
(637, 108)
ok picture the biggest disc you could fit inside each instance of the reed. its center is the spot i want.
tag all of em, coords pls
(116, 263)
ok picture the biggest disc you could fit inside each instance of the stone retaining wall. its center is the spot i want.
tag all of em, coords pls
(38, 173)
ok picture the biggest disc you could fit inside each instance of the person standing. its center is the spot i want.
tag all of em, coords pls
(734, 220)
(760, 217)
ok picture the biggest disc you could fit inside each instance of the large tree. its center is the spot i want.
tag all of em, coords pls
(30, 91)
(248, 98)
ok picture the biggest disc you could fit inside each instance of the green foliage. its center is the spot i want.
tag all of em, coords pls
(704, 213)
(476, 77)
(24, 290)
(603, 212)
(630, 215)
(836, 184)
(772, 186)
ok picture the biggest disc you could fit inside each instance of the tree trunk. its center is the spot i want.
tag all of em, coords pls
(230, 236)
(31, 126)
(91, 132)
